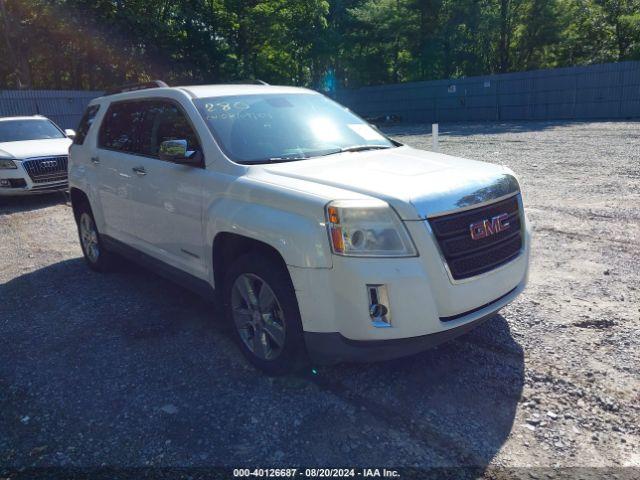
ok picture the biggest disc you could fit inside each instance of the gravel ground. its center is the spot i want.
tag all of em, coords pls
(127, 369)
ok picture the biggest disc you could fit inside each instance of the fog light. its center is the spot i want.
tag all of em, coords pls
(379, 310)
(4, 183)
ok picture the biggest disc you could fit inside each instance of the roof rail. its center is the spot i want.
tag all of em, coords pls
(137, 86)
(249, 82)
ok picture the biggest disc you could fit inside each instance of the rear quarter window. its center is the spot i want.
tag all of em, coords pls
(85, 124)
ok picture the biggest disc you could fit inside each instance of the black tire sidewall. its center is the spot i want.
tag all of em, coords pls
(103, 263)
(270, 270)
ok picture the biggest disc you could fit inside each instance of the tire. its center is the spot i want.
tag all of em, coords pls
(95, 254)
(262, 308)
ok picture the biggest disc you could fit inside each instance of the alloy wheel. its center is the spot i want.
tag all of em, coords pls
(89, 237)
(258, 316)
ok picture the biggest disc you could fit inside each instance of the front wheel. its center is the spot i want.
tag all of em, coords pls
(262, 306)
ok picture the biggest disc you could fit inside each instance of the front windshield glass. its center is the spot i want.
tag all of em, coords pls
(20, 130)
(285, 127)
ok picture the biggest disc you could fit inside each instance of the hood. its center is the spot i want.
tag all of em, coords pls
(417, 183)
(35, 148)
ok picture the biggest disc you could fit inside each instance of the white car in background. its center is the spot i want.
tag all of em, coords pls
(33, 155)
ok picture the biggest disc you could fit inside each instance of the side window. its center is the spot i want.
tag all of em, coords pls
(165, 121)
(120, 126)
(85, 124)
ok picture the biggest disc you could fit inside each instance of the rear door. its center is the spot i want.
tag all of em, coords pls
(117, 182)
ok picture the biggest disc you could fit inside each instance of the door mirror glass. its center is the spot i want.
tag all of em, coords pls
(173, 150)
(177, 151)
(70, 133)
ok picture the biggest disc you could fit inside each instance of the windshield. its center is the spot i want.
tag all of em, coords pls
(19, 130)
(285, 127)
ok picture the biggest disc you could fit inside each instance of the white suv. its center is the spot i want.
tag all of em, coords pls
(323, 238)
(33, 155)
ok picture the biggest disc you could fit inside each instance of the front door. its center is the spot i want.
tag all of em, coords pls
(167, 203)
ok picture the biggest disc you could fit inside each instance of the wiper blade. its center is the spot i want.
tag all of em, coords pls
(355, 148)
(285, 158)
(362, 148)
(275, 160)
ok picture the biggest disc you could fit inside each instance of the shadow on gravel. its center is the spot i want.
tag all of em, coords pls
(26, 203)
(457, 401)
(130, 369)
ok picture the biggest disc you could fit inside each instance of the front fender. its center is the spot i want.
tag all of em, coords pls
(300, 239)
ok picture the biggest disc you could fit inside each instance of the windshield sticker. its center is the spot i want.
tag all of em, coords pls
(279, 102)
(365, 131)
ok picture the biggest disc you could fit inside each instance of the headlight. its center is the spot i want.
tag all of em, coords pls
(5, 163)
(363, 228)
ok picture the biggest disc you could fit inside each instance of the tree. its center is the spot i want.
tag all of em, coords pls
(535, 35)
(624, 18)
(96, 44)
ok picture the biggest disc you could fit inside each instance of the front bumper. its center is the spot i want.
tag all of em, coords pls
(426, 305)
(22, 184)
(333, 348)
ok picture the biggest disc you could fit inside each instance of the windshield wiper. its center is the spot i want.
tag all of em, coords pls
(362, 148)
(294, 158)
(276, 160)
(287, 159)
(355, 148)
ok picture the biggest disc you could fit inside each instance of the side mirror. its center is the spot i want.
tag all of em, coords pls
(176, 151)
(70, 133)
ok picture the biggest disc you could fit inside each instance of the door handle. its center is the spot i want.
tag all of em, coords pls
(95, 160)
(139, 171)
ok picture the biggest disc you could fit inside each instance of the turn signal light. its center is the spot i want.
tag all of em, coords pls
(337, 239)
(333, 215)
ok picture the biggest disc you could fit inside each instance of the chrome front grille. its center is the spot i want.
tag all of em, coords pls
(466, 257)
(46, 169)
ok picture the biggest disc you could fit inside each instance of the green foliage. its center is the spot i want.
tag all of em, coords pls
(96, 44)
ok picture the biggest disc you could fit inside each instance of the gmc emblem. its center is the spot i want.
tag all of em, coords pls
(486, 228)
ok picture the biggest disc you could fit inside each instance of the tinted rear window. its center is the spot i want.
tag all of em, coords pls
(85, 123)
